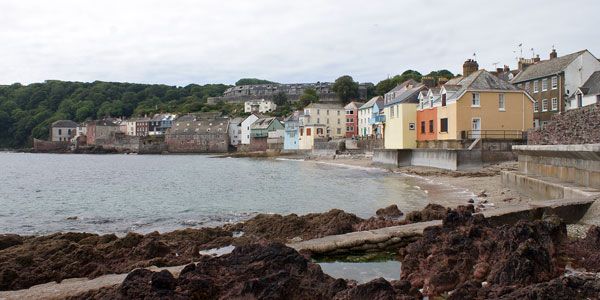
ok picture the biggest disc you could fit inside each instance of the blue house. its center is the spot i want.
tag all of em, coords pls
(377, 120)
(292, 131)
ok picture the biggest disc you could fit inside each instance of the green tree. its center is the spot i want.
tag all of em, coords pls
(280, 98)
(410, 74)
(245, 81)
(346, 88)
(309, 96)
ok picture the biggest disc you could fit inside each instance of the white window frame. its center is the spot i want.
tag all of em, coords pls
(476, 103)
(554, 82)
(545, 105)
(544, 84)
(535, 86)
(536, 106)
(501, 102)
(392, 112)
(554, 104)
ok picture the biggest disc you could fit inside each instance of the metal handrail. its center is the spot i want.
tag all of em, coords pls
(492, 134)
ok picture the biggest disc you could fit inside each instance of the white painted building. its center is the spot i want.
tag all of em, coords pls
(365, 112)
(259, 106)
(588, 94)
(245, 129)
(235, 131)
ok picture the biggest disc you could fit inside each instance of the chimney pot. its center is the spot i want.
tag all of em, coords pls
(553, 54)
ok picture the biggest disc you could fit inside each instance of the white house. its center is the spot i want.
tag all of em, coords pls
(365, 113)
(235, 131)
(245, 129)
(259, 106)
(587, 94)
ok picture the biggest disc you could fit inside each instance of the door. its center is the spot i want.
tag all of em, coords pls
(476, 128)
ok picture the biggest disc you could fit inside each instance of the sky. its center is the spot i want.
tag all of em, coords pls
(206, 41)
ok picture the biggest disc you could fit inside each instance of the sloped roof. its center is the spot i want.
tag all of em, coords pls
(237, 121)
(263, 123)
(371, 102)
(483, 80)
(104, 123)
(592, 85)
(204, 126)
(64, 123)
(409, 96)
(325, 105)
(547, 67)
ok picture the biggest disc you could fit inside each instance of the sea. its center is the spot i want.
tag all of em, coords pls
(47, 193)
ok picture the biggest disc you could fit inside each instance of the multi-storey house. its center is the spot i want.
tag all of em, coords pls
(330, 115)
(352, 118)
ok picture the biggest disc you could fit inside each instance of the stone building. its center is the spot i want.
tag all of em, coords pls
(198, 135)
(332, 115)
(242, 93)
(63, 130)
(99, 132)
(551, 82)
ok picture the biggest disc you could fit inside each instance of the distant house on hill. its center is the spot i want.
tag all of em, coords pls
(63, 130)
(198, 136)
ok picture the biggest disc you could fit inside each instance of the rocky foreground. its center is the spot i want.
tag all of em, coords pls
(464, 258)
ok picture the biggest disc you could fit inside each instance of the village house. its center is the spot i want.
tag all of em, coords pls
(245, 129)
(196, 135)
(309, 133)
(365, 114)
(259, 106)
(377, 120)
(159, 124)
(292, 131)
(401, 116)
(235, 131)
(482, 105)
(352, 118)
(260, 131)
(99, 132)
(552, 82)
(587, 94)
(329, 114)
(427, 114)
(63, 130)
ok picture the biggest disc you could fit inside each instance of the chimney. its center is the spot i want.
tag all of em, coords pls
(428, 81)
(506, 69)
(469, 67)
(537, 58)
(553, 54)
(442, 81)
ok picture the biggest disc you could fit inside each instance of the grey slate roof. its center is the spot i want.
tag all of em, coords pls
(371, 102)
(263, 123)
(592, 85)
(64, 124)
(326, 105)
(237, 121)
(409, 96)
(104, 123)
(199, 127)
(483, 80)
(546, 68)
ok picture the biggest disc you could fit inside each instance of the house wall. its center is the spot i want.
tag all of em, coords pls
(578, 71)
(181, 144)
(397, 132)
(364, 128)
(333, 118)
(245, 136)
(307, 142)
(517, 116)
(234, 134)
(292, 134)
(449, 111)
(66, 133)
(426, 115)
(258, 144)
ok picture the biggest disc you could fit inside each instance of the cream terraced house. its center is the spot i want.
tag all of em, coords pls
(333, 116)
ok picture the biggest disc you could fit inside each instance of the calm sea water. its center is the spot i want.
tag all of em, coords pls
(43, 193)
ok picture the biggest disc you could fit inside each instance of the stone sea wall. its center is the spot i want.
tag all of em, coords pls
(578, 126)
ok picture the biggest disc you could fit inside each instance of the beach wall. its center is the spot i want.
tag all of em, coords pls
(450, 159)
(556, 171)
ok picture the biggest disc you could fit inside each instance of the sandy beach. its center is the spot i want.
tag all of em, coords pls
(485, 185)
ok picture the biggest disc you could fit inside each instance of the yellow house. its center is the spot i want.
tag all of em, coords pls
(401, 118)
(308, 134)
(483, 105)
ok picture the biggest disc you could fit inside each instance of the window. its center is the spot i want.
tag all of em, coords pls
(339, 122)
(339, 131)
(301, 131)
(308, 131)
(318, 120)
(328, 112)
(338, 112)
(501, 102)
(423, 127)
(554, 82)
(327, 120)
(545, 105)
(597, 98)
(392, 110)
(431, 126)
(318, 111)
(319, 131)
(579, 100)
(536, 106)
(554, 104)
(535, 86)
(444, 125)
(544, 84)
(60, 131)
(444, 99)
(475, 102)
(527, 86)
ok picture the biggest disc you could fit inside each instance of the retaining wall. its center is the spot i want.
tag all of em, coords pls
(577, 126)
(450, 159)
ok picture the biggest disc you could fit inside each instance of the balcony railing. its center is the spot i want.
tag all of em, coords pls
(380, 119)
(493, 134)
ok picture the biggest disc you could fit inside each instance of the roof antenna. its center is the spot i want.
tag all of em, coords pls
(532, 53)
(521, 48)
(474, 56)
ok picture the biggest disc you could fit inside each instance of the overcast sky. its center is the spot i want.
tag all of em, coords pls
(205, 41)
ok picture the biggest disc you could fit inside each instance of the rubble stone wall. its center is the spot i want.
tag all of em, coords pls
(578, 126)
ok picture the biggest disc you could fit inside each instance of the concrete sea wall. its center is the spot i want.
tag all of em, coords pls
(450, 159)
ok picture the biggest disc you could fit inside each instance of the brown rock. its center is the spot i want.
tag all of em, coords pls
(391, 211)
